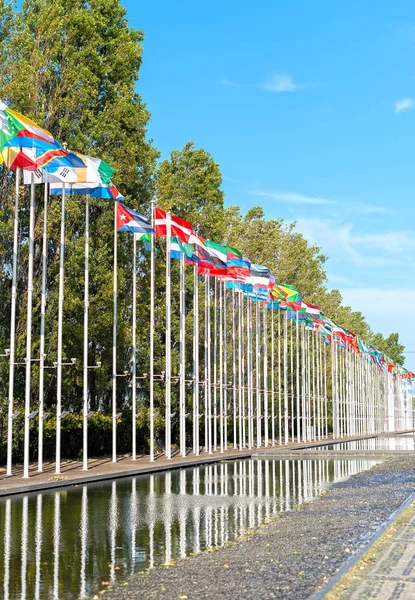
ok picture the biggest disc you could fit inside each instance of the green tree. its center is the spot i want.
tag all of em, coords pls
(390, 346)
(73, 67)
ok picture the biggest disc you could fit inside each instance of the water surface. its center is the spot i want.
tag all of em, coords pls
(73, 542)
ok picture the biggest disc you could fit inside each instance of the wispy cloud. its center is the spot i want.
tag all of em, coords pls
(281, 83)
(404, 104)
(336, 205)
(228, 83)
(293, 198)
(339, 239)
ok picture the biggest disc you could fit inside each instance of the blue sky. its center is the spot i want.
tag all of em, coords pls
(309, 108)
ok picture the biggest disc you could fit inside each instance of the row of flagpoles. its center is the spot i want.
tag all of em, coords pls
(265, 372)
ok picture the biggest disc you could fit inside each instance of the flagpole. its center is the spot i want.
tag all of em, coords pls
(249, 371)
(221, 422)
(134, 340)
(42, 328)
(206, 365)
(225, 369)
(182, 359)
(240, 369)
(215, 351)
(28, 359)
(243, 371)
(258, 376)
(286, 378)
(196, 447)
(13, 326)
(292, 379)
(235, 443)
(86, 310)
(272, 376)
(279, 381)
(168, 337)
(114, 344)
(152, 269)
(297, 368)
(209, 367)
(266, 433)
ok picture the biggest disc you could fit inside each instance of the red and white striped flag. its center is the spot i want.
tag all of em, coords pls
(178, 227)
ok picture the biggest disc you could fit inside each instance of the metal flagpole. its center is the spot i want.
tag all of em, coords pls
(168, 337)
(182, 359)
(303, 385)
(209, 368)
(114, 345)
(266, 432)
(249, 371)
(258, 380)
(286, 378)
(152, 323)
(292, 379)
(215, 352)
(206, 364)
(13, 326)
(221, 440)
(196, 447)
(42, 327)
(134, 344)
(28, 359)
(86, 309)
(240, 368)
(235, 444)
(225, 369)
(243, 372)
(272, 377)
(297, 368)
(279, 382)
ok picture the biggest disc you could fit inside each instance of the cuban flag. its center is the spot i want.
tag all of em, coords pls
(131, 221)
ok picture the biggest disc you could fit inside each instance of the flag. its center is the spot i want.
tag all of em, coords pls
(178, 248)
(94, 190)
(179, 227)
(131, 221)
(238, 266)
(22, 140)
(13, 125)
(259, 276)
(311, 310)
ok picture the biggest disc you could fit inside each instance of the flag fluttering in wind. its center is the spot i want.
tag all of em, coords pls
(132, 221)
(179, 227)
(22, 141)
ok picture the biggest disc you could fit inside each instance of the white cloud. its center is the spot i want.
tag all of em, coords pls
(293, 198)
(281, 83)
(227, 82)
(364, 250)
(404, 104)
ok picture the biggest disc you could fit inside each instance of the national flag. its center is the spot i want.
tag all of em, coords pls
(178, 248)
(259, 276)
(94, 190)
(14, 125)
(310, 309)
(284, 292)
(238, 266)
(22, 141)
(178, 227)
(217, 250)
(131, 221)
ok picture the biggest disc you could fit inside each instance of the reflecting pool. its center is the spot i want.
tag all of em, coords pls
(401, 442)
(76, 541)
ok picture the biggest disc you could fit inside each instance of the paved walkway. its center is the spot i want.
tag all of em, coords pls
(104, 468)
(387, 570)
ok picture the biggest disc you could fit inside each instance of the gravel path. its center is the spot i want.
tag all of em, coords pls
(294, 555)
